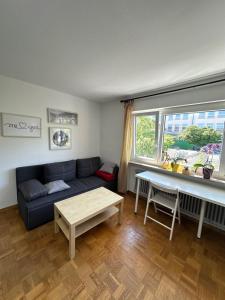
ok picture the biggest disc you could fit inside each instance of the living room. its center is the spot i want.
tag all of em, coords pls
(112, 124)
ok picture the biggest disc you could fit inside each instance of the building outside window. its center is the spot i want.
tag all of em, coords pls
(221, 114)
(185, 116)
(210, 125)
(201, 115)
(211, 114)
(184, 126)
(219, 126)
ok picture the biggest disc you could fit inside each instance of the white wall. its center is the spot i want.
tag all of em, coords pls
(112, 115)
(111, 131)
(27, 99)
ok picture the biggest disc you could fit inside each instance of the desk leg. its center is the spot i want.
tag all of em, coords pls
(137, 195)
(201, 219)
(72, 241)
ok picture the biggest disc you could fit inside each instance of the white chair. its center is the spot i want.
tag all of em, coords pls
(166, 197)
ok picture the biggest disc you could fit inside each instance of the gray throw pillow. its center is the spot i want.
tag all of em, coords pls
(56, 186)
(108, 167)
(32, 189)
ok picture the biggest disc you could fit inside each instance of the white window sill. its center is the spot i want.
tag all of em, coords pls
(213, 181)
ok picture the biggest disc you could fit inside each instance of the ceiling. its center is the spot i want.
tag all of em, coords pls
(110, 49)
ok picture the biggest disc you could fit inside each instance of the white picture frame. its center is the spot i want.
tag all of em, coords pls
(60, 117)
(60, 138)
(23, 126)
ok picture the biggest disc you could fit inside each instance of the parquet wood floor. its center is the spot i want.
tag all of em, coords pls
(131, 261)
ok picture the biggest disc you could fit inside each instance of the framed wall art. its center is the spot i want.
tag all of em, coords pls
(60, 117)
(20, 126)
(59, 138)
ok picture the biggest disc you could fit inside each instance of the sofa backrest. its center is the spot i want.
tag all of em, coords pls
(29, 172)
(88, 166)
(46, 172)
(60, 170)
(65, 170)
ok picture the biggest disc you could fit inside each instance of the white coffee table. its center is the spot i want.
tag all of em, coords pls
(78, 214)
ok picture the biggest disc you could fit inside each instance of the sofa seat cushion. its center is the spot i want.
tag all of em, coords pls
(60, 171)
(93, 182)
(87, 166)
(76, 187)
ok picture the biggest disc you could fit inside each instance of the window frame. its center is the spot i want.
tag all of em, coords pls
(157, 122)
(161, 114)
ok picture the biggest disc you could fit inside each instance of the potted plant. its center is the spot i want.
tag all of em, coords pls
(166, 160)
(175, 165)
(207, 169)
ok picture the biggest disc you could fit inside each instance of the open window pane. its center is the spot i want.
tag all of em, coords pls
(196, 138)
(146, 136)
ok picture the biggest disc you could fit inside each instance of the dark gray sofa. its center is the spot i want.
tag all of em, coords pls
(78, 174)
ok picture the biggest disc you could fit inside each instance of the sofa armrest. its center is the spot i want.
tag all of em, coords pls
(116, 171)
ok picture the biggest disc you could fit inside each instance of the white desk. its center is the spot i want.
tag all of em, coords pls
(199, 190)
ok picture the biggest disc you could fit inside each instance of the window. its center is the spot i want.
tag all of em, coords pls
(201, 115)
(185, 116)
(184, 126)
(211, 114)
(221, 114)
(146, 136)
(210, 125)
(192, 140)
(219, 126)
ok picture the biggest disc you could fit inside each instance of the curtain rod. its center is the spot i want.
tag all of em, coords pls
(174, 90)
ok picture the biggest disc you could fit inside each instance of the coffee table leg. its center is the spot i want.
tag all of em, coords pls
(72, 242)
(56, 216)
(120, 214)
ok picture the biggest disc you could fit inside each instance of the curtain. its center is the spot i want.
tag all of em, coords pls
(126, 146)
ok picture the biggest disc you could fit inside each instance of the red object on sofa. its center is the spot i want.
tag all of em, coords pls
(104, 175)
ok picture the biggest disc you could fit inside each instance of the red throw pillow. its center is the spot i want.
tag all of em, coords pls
(104, 175)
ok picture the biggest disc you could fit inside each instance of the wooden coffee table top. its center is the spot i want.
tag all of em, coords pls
(80, 208)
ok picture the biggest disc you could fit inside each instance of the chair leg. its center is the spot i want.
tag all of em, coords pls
(146, 212)
(173, 222)
(148, 201)
(178, 211)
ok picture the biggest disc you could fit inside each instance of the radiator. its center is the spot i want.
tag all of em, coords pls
(190, 206)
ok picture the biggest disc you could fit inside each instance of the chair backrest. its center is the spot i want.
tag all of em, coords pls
(165, 189)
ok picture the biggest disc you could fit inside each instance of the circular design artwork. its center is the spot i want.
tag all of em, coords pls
(60, 138)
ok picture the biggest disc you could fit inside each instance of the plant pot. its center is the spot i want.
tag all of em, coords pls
(186, 171)
(165, 165)
(175, 167)
(207, 173)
